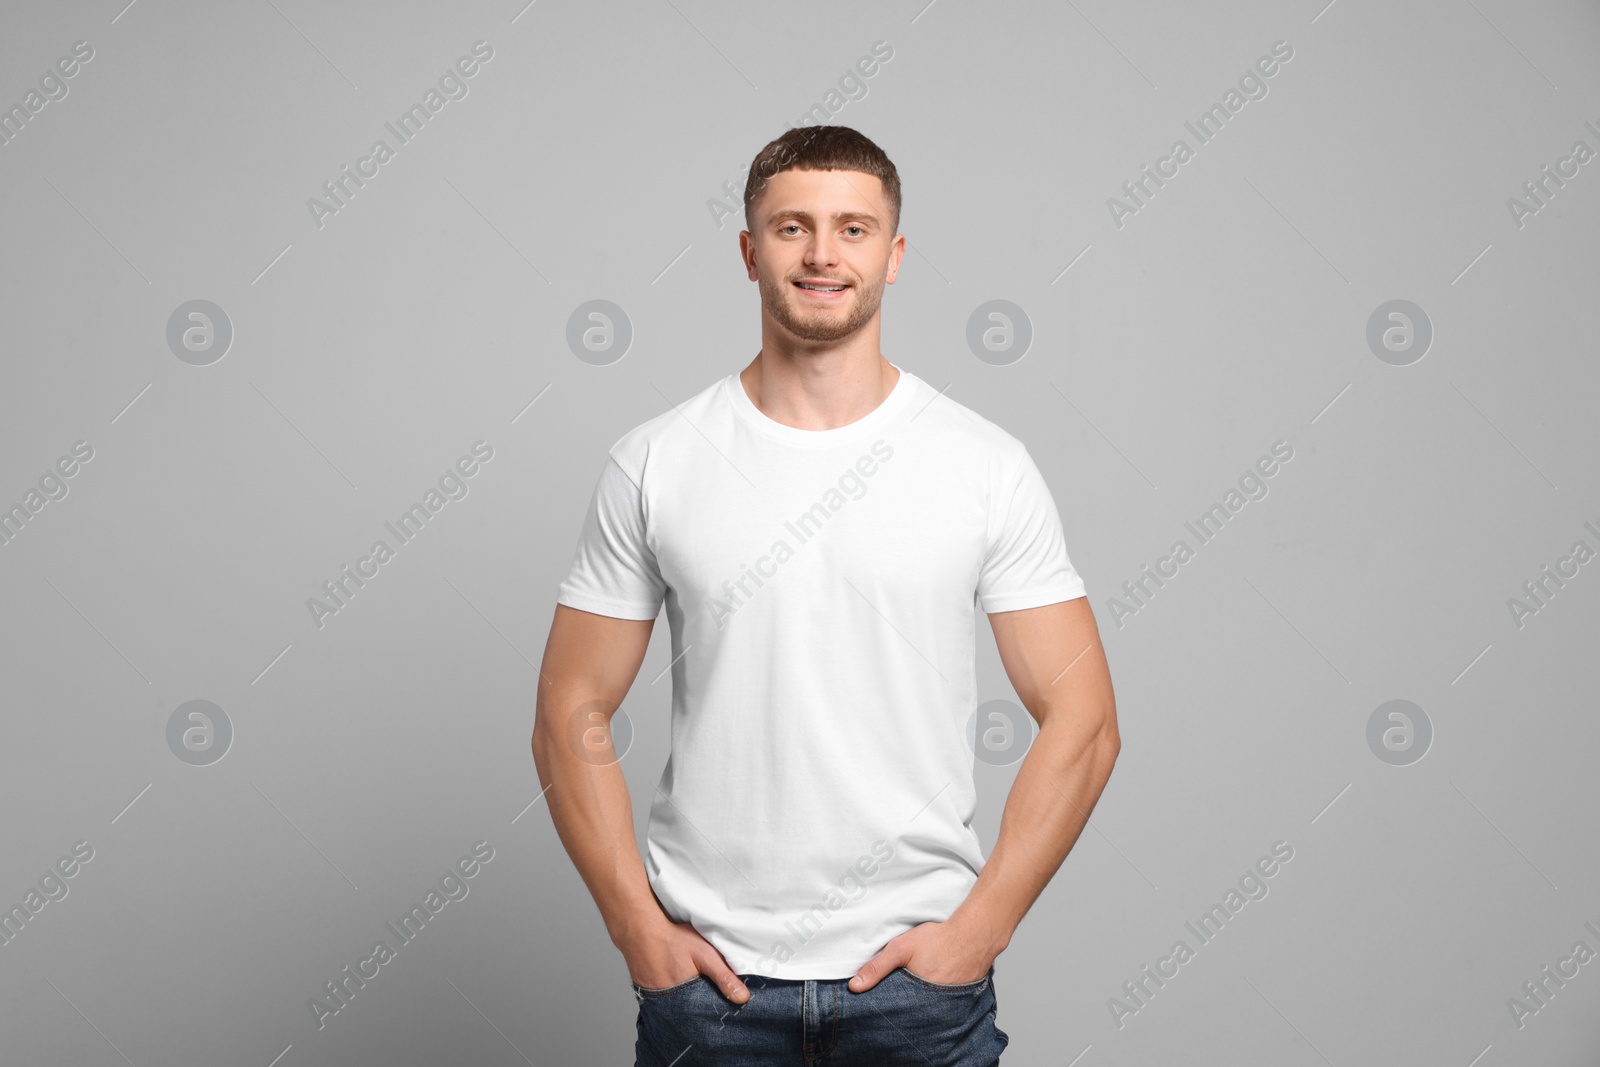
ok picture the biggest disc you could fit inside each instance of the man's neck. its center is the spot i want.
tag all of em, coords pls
(818, 392)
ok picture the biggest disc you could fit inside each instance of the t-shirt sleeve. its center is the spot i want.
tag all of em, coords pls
(1026, 565)
(614, 571)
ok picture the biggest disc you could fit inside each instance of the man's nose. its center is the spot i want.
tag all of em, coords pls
(822, 251)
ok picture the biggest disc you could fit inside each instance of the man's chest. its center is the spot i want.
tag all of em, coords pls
(904, 538)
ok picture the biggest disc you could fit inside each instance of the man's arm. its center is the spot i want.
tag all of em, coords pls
(1055, 661)
(1057, 665)
(590, 662)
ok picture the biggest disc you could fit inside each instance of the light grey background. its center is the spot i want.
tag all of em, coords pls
(431, 311)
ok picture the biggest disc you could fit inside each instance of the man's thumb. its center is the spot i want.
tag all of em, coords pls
(871, 972)
(717, 969)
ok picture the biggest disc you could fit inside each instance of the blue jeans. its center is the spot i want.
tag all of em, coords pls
(904, 1019)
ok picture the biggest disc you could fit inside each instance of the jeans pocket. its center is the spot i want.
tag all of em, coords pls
(1005, 1038)
(644, 991)
(944, 987)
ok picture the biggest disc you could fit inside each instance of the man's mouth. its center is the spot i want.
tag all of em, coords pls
(819, 287)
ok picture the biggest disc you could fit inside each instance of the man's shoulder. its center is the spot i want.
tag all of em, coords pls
(972, 434)
(632, 450)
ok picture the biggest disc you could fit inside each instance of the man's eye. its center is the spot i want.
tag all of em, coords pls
(790, 226)
(855, 228)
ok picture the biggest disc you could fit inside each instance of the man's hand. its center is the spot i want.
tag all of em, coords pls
(664, 953)
(950, 953)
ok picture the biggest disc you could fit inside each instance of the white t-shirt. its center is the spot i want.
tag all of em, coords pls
(822, 588)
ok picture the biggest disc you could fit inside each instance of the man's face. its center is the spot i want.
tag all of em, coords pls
(827, 228)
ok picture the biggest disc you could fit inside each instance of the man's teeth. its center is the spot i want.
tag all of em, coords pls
(822, 288)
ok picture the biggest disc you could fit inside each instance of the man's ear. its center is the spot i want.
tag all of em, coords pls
(897, 251)
(747, 252)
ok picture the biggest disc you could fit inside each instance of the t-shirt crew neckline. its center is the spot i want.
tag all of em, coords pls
(733, 389)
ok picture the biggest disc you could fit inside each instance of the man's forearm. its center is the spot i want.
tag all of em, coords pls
(1056, 788)
(592, 812)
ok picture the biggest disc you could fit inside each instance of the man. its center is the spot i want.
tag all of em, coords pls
(821, 527)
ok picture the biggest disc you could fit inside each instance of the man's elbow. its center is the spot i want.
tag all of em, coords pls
(1108, 741)
(541, 737)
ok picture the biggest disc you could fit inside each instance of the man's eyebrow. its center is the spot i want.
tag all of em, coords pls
(837, 216)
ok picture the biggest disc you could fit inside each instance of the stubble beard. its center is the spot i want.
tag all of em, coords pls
(821, 324)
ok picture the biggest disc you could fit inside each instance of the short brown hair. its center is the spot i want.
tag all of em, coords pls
(822, 148)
